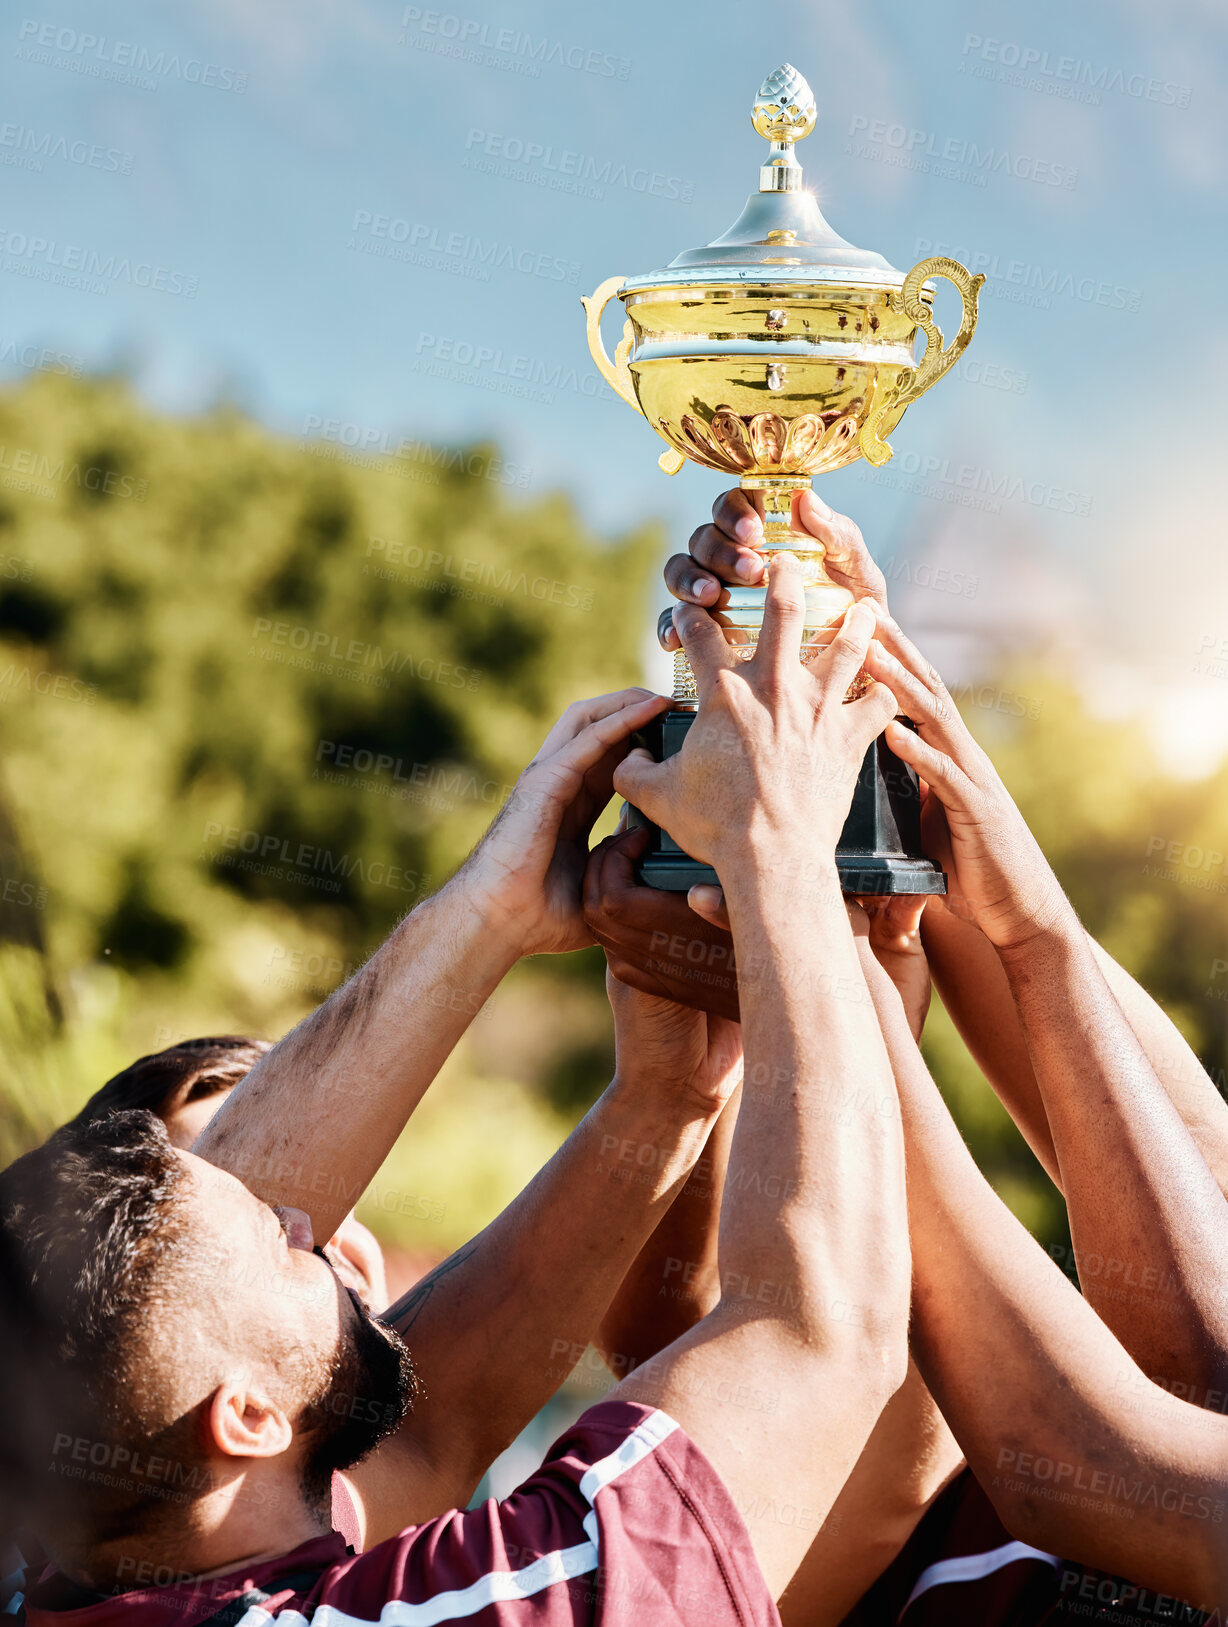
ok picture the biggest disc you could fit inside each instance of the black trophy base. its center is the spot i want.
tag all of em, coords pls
(879, 850)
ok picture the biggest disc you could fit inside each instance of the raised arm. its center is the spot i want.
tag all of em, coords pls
(314, 1120)
(911, 1453)
(977, 993)
(1148, 1221)
(497, 1327)
(1081, 1454)
(813, 1251)
(674, 1280)
(965, 967)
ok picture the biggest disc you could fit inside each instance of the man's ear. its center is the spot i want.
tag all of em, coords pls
(242, 1422)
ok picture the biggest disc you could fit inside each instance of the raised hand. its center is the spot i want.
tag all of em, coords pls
(654, 940)
(893, 925)
(774, 750)
(668, 1047)
(725, 554)
(525, 875)
(998, 870)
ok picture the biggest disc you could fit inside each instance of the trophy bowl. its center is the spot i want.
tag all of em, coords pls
(774, 353)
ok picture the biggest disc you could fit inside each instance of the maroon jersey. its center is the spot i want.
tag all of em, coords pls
(625, 1524)
(962, 1568)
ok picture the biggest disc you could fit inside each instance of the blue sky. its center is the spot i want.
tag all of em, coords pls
(308, 177)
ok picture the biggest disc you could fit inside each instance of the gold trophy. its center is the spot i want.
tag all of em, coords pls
(774, 353)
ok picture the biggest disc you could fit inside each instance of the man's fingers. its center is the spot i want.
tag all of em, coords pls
(933, 712)
(638, 779)
(593, 885)
(845, 655)
(686, 581)
(628, 972)
(946, 779)
(667, 633)
(784, 616)
(598, 737)
(896, 918)
(611, 872)
(729, 548)
(736, 515)
(709, 902)
(581, 713)
(704, 643)
(893, 639)
(874, 710)
(848, 560)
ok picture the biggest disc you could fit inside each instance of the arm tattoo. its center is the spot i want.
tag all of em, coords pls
(404, 1313)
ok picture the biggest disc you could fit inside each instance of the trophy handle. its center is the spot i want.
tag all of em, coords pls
(936, 361)
(616, 373)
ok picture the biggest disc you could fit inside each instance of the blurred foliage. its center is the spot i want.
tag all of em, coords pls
(256, 699)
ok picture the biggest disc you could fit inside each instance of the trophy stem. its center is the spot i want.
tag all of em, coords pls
(740, 612)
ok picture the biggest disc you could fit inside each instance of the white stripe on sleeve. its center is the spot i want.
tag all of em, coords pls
(642, 1440)
(497, 1587)
(971, 1567)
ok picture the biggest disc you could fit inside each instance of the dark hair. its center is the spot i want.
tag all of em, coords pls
(98, 1224)
(209, 1066)
(35, 1403)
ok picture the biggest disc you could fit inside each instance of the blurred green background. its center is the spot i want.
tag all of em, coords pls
(255, 701)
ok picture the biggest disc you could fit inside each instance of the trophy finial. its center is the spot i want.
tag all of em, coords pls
(784, 112)
(785, 108)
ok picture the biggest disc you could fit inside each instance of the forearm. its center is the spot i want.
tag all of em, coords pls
(975, 990)
(497, 1328)
(1081, 1454)
(1190, 1087)
(910, 1456)
(674, 1281)
(314, 1120)
(1149, 1223)
(802, 1199)
(783, 1382)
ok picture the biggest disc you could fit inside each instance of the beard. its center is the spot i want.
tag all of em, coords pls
(368, 1392)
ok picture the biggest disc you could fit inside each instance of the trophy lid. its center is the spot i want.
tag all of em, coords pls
(781, 235)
